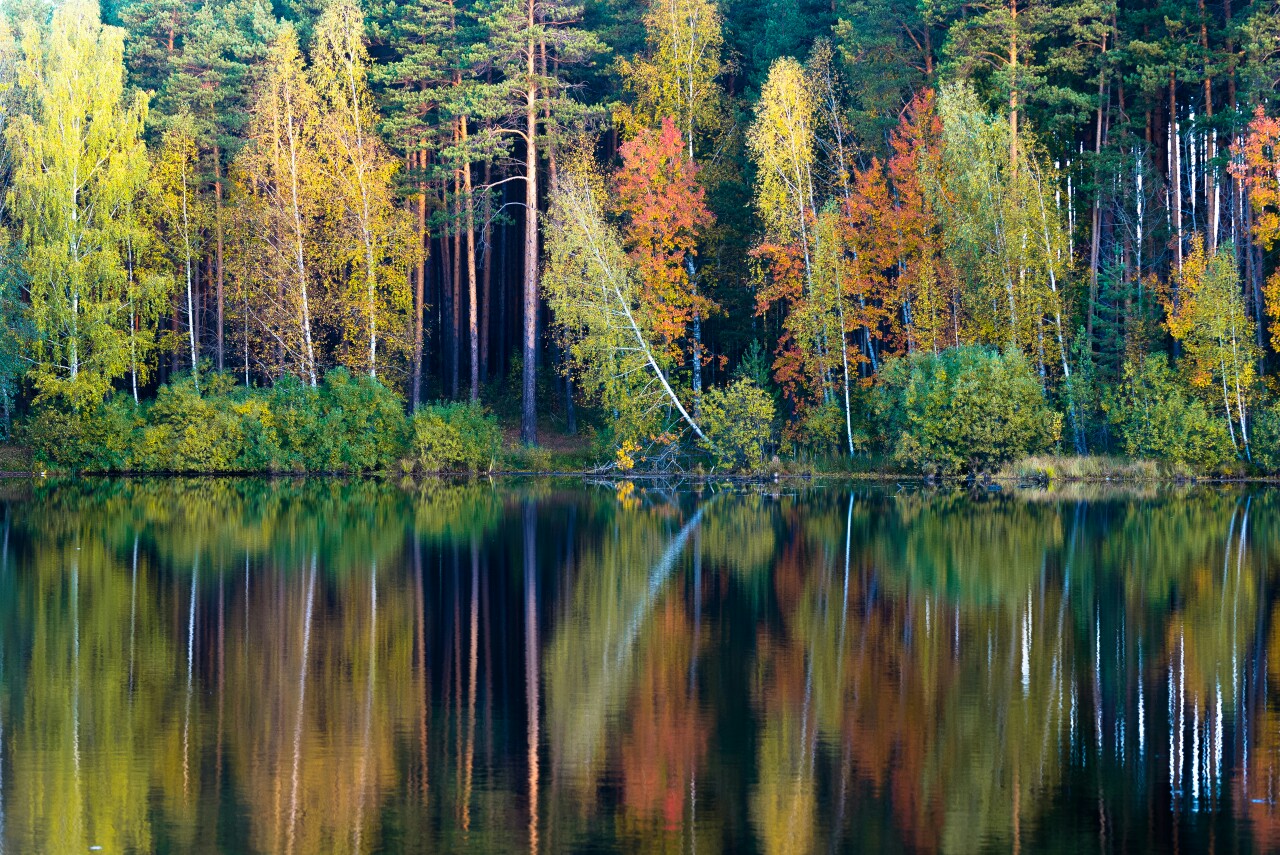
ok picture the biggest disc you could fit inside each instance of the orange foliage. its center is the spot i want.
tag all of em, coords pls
(667, 741)
(664, 210)
(1258, 163)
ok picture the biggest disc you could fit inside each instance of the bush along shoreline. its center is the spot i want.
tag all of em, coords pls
(967, 412)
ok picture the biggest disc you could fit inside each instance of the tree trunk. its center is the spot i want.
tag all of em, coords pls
(219, 274)
(528, 411)
(1175, 171)
(1094, 242)
(419, 285)
(473, 327)
(486, 274)
(1013, 88)
(455, 324)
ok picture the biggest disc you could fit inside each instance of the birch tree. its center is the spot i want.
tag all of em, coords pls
(280, 169)
(177, 218)
(361, 172)
(1212, 322)
(78, 160)
(678, 76)
(593, 290)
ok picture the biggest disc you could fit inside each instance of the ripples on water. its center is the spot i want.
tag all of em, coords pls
(328, 666)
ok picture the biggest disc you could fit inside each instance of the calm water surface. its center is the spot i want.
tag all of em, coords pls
(333, 667)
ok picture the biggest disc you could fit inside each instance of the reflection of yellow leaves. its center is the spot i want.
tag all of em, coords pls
(626, 494)
(784, 804)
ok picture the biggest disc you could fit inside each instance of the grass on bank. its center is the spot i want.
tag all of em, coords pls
(1092, 468)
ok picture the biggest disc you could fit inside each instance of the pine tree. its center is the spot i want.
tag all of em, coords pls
(209, 79)
(531, 45)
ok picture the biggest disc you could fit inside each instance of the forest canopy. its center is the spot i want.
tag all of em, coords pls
(728, 228)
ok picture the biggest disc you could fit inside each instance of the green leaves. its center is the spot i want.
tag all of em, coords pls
(79, 161)
(964, 409)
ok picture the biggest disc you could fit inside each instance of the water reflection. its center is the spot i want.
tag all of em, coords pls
(297, 667)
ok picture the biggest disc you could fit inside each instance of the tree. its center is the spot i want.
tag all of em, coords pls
(358, 166)
(591, 286)
(802, 257)
(209, 79)
(79, 161)
(1210, 319)
(1258, 164)
(1158, 419)
(156, 31)
(678, 78)
(280, 171)
(176, 218)
(967, 407)
(663, 213)
(423, 38)
(519, 35)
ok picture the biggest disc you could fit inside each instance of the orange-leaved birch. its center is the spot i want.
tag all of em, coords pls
(1259, 166)
(663, 210)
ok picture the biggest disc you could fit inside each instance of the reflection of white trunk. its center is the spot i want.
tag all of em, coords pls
(75, 671)
(133, 613)
(191, 646)
(302, 697)
(363, 777)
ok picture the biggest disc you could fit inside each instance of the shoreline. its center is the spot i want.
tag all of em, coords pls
(999, 481)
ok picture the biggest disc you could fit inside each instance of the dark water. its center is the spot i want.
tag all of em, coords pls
(331, 667)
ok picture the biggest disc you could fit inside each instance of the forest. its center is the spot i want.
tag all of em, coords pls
(241, 235)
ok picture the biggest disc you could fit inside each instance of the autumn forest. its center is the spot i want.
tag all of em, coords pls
(241, 235)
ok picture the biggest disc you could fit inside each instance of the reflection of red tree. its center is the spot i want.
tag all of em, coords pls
(891, 720)
(667, 737)
(891, 691)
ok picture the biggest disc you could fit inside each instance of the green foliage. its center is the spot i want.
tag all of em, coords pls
(738, 421)
(347, 424)
(964, 408)
(1266, 438)
(1157, 417)
(453, 438)
(89, 439)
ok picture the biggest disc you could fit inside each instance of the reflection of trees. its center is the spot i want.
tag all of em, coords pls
(591, 663)
(942, 668)
(100, 690)
(665, 740)
(316, 701)
(923, 671)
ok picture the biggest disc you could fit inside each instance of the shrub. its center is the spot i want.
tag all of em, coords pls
(363, 425)
(348, 424)
(453, 438)
(189, 432)
(738, 421)
(1264, 436)
(85, 439)
(964, 408)
(1158, 419)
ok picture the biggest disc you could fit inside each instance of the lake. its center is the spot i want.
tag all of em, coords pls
(557, 666)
